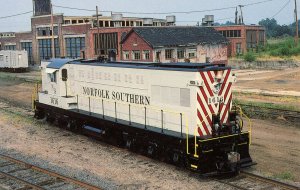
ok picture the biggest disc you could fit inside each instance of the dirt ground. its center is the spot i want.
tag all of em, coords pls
(114, 165)
(275, 148)
(277, 82)
(276, 155)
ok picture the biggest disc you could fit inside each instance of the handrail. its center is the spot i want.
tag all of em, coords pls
(182, 115)
(195, 134)
(250, 123)
(34, 96)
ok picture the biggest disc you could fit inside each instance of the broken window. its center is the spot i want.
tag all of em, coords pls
(231, 33)
(192, 53)
(180, 54)
(169, 53)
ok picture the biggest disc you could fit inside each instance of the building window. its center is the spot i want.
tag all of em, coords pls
(169, 53)
(192, 53)
(231, 33)
(45, 49)
(146, 55)
(105, 42)
(1, 58)
(74, 47)
(238, 48)
(10, 47)
(136, 55)
(27, 46)
(126, 55)
(46, 31)
(180, 54)
(67, 22)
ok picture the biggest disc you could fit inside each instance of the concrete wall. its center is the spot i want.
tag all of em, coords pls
(275, 65)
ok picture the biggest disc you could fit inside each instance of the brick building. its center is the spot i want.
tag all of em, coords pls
(174, 44)
(17, 41)
(74, 36)
(243, 37)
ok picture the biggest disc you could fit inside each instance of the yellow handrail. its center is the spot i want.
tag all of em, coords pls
(184, 117)
(34, 96)
(250, 123)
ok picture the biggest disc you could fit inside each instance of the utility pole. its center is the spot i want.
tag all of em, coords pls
(297, 24)
(52, 29)
(242, 17)
(98, 32)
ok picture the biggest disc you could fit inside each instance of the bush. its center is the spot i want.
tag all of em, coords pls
(249, 57)
(285, 51)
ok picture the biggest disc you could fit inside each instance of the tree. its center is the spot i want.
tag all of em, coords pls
(271, 26)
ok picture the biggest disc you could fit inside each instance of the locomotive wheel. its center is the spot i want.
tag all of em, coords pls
(150, 150)
(129, 144)
(71, 125)
(48, 118)
(175, 158)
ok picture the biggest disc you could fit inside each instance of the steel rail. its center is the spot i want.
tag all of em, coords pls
(51, 173)
(270, 181)
(26, 183)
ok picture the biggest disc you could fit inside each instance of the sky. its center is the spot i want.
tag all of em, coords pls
(252, 14)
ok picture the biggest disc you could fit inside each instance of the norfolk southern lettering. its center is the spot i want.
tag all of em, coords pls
(118, 96)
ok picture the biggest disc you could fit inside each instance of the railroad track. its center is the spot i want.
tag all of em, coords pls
(250, 181)
(17, 174)
(254, 111)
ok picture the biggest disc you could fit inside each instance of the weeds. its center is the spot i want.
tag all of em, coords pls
(284, 176)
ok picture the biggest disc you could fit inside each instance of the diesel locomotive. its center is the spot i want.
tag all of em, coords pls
(182, 113)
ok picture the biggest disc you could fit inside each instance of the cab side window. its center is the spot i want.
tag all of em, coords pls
(52, 77)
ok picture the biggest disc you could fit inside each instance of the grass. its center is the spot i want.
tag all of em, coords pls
(266, 105)
(280, 49)
(284, 176)
(18, 77)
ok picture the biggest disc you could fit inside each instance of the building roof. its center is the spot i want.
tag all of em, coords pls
(178, 36)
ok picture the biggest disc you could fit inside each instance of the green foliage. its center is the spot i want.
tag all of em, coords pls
(284, 47)
(284, 176)
(250, 57)
(273, 29)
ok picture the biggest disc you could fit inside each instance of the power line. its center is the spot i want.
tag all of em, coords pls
(281, 9)
(164, 13)
(153, 13)
(221, 19)
(256, 3)
(16, 15)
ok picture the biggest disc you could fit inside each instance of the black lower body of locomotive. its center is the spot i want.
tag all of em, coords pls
(214, 155)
